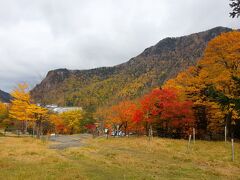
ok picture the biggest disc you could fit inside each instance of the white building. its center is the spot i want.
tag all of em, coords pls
(65, 109)
(56, 109)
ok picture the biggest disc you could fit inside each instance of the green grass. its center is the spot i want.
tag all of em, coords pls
(118, 158)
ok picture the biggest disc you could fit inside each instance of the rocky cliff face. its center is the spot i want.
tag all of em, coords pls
(4, 97)
(107, 85)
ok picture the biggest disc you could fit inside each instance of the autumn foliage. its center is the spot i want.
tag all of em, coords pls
(164, 109)
(161, 108)
(20, 103)
(214, 85)
(121, 116)
(71, 120)
(37, 119)
(205, 97)
(3, 111)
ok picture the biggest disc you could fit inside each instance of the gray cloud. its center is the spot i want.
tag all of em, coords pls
(39, 35)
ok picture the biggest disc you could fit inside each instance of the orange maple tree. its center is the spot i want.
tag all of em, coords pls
(120, 116)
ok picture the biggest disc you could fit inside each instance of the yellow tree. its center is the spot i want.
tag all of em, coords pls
(222, 62)
(72, 120)
(4, 121)
(19, 104)
(3, 111)
(23, 110)
(37, 114)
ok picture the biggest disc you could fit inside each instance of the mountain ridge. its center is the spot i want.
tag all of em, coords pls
(4, 97)
(128, 80)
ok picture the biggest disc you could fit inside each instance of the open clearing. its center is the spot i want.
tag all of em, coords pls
(118, 158)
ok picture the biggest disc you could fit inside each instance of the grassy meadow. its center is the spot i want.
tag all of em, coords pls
(118, 158)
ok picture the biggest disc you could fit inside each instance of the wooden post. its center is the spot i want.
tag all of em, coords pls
(150, 133)
(225, 133)
(232, 149)
(194, 135)
(117, 130)
(189, 141)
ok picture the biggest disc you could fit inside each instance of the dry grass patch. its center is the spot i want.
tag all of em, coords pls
(118, 158)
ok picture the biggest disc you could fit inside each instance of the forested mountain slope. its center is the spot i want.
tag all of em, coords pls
(155, 65)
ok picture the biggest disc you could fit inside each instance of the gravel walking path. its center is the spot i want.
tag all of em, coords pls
(66, 141)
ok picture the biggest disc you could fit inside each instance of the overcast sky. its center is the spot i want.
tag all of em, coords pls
(40, 35)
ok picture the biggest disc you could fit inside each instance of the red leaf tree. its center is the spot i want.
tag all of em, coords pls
(164, 109)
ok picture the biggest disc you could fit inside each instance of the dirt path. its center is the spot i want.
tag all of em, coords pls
(66, 141)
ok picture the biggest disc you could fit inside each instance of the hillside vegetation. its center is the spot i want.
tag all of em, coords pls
(108, 85)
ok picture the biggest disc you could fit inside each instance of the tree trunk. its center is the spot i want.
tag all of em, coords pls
(38, 127)
(150, 131)
(147, 128)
